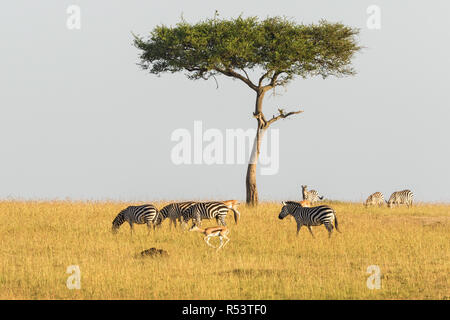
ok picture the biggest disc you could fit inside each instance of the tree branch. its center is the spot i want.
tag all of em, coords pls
(200, 71)
(282, 115)
(263, 77)
(231, 73)
(246, 74)
(272, 83)
(275, 77)
(217, 83)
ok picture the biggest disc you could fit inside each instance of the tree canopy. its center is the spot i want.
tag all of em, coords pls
(278, 46)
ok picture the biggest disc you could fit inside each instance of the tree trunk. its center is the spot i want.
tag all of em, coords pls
(252, 191)
(250, 180)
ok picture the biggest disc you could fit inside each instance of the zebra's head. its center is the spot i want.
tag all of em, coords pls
(117, 222)
(284, 211)
(114, 229)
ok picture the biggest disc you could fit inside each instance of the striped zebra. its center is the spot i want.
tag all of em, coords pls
(401, 197)
(144, 214)
(376, 198)
(312, 196)
(314, 216)
(173, 212)
(208, 210)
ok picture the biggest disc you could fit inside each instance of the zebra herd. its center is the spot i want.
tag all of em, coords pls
(182, 211)
(303, 214)
(396, 198)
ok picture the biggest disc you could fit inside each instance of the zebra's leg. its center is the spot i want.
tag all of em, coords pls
(149, 227)
(197, 220)
(131, 228)
(299, 225)
(310, 231)
(184, 223)
(330, 229)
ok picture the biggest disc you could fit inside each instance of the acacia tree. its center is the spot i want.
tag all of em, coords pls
(277, 49)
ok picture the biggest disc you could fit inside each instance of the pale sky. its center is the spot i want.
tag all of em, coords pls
(80, 120)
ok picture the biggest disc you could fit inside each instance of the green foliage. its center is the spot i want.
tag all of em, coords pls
(278, 46)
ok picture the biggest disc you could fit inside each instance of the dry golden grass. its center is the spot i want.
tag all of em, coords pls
(264, 259)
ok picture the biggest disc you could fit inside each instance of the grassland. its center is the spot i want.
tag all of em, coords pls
(264, 260)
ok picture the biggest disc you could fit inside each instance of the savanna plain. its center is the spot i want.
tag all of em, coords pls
(264, 259)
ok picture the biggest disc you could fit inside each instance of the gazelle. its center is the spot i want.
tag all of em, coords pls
(305, 203)
(232, 204)
(219, 231)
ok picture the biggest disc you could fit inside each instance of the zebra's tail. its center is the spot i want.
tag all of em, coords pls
(321, 198)
(336, 223)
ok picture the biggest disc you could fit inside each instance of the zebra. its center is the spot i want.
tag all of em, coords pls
(208, 210)
(144, 214)
(310, 216)
(401, 197)
(173, 212)
(312, 196)
(376, 198)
